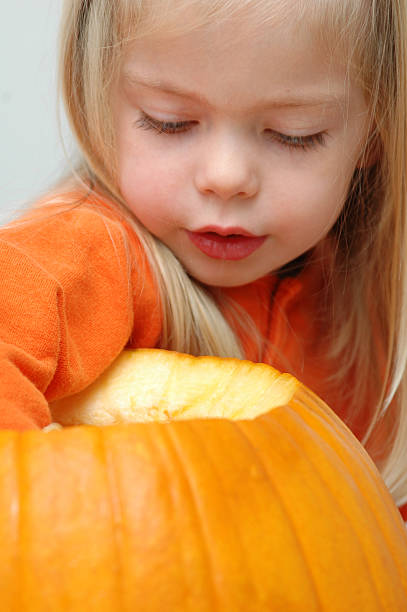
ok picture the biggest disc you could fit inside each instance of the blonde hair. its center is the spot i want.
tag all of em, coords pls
(367, 259)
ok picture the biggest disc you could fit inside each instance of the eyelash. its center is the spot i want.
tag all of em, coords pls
(303, 143)
(164, 127)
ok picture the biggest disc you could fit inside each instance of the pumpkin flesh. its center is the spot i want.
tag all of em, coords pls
(156, 385)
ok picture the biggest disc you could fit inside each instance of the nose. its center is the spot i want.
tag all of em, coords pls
(227, 170)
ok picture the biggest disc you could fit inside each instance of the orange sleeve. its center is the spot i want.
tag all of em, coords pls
(66, 308)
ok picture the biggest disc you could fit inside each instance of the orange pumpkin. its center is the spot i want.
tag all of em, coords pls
(280, 512)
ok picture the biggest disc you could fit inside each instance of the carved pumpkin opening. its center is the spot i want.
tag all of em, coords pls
(156, 385)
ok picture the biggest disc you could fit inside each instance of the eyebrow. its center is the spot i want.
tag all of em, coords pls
(291, 101)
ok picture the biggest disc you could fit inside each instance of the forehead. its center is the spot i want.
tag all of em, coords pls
(332, 24)
(144, 17)
(239, 60)
(236, 41)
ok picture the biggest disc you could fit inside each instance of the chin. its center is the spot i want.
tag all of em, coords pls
(224, 278)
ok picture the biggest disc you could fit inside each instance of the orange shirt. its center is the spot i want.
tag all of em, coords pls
(69, 305)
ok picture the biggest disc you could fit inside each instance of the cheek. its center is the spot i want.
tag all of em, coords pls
(151, 192)
(309, 202)
(146, 170)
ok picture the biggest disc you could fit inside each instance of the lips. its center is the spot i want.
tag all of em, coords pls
(231, 244)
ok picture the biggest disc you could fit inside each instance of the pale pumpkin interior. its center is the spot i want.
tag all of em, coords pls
(157, 385)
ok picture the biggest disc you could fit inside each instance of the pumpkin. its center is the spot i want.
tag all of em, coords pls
(280, 509)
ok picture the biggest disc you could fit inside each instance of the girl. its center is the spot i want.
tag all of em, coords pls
(241, 192)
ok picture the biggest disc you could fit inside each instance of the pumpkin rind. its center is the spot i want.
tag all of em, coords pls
(284, 512)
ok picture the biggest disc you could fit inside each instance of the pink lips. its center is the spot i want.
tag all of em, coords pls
(231, 243)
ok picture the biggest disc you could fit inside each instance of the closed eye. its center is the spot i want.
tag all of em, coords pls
(164, 127)
(303, 143)
(298, 142)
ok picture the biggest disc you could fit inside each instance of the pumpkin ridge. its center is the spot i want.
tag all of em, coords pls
(281, 429)
(172, 436)
(231, 426)
(248, 428)
(328, 453)
(371, 476)
(112, 494)
(9, 521)
(165, 449)
(347, 439)
(18, 458)
(131, 456)
(305, 397)
(341, 431)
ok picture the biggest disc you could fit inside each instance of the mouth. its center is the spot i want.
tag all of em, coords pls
(226, 243)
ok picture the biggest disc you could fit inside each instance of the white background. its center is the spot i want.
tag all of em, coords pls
(31, 154)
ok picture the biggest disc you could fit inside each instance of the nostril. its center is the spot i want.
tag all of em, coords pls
(227, 181)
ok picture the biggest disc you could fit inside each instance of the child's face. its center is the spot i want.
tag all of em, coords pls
(222, 131)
